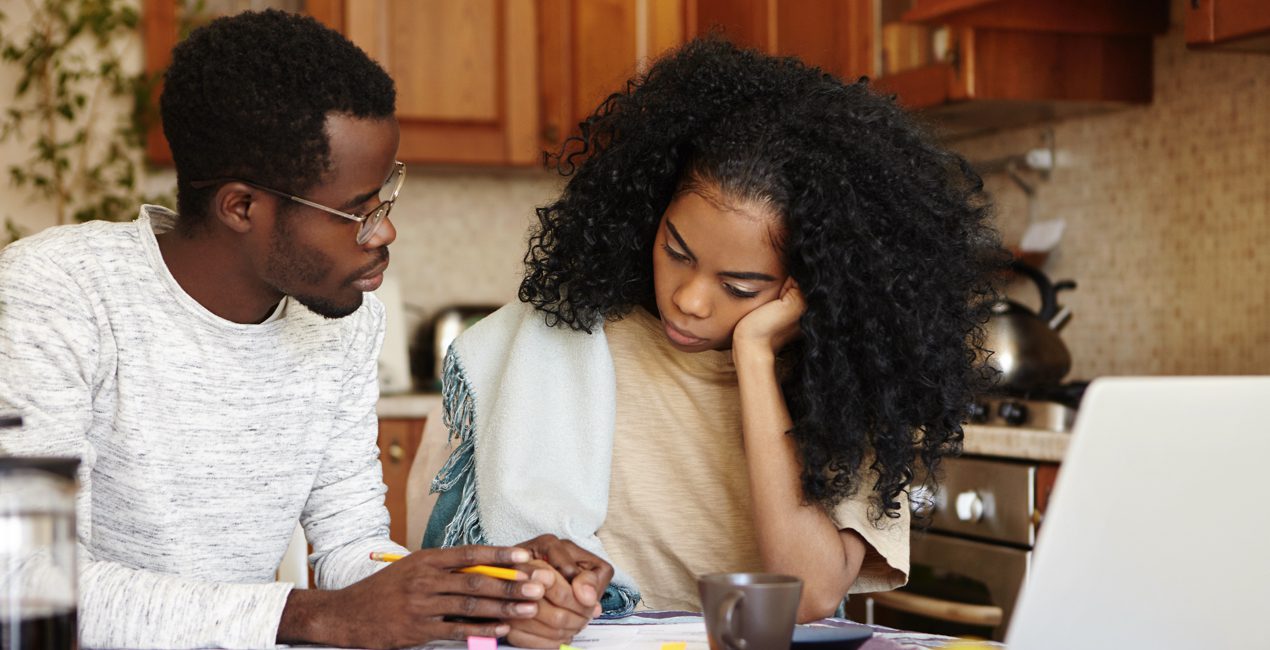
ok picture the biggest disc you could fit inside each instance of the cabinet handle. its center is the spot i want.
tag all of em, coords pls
(939, 609)
(396, 452)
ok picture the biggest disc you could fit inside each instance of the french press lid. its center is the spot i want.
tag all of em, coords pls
(59, 466)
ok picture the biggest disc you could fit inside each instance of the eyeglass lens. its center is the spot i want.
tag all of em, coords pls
(387, 194)
(371, 223)
(393, 184)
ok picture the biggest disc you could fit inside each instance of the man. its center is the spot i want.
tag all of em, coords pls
(215, 373)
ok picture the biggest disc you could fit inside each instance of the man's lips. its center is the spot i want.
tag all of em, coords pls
(371, 280)
(680, 336)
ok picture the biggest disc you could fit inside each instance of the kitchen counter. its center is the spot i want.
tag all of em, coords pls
(1027, 444)
(407, 405)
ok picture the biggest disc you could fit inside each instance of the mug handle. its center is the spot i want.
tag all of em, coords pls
(731, 638)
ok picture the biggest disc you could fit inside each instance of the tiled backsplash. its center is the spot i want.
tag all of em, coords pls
(1168, 219)
(461, 235)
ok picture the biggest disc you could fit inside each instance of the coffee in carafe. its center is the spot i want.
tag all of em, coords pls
(38, 573)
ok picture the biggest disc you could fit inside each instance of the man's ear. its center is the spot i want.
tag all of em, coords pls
(233, 205)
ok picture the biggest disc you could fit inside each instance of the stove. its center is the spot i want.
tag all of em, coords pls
(972, 548)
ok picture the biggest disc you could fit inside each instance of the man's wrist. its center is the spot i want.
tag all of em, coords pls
(304, 618)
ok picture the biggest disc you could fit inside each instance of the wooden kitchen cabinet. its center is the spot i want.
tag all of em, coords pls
(466, 72)
(1008, 62)
(1016, 62)
(835, 35)
(589, 48)
(1003, 78)
(398, 442)
(466, 75)
(1240, 25)
(497, 82)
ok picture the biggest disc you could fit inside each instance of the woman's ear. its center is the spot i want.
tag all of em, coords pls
(233, 204)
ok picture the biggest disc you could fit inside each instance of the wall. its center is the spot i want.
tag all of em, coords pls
(1168, 219)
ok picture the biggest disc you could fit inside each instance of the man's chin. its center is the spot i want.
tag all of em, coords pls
(330, 308)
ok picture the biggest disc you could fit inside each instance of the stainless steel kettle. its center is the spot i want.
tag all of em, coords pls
(1024, 347)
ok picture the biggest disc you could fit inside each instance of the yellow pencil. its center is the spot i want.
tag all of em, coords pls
(485, 570)
(493, 572)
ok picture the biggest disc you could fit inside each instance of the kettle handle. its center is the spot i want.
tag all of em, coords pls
(1049, 296)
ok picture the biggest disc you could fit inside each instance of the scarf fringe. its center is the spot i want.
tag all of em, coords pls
(459, 415)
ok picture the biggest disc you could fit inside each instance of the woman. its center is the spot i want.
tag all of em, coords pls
(747, 322)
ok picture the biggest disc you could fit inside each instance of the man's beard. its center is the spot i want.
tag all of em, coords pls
(289, 266)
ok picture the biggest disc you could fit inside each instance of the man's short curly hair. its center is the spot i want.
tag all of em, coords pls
(247, 97)
(887, 234)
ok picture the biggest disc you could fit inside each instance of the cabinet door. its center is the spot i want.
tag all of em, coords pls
(466, 75)
(1231, 24)
(466, 71)
(398, 443)
(836, 35)
(589, 48)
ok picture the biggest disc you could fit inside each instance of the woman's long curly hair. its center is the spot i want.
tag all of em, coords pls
(886, 233)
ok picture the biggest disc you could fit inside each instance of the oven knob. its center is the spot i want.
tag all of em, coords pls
(969, 506)
(980, 412)
(1014, 413)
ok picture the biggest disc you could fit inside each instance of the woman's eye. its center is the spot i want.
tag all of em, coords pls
(675, 255)
(740, 293)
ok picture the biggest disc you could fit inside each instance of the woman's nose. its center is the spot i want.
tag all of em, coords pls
(693, 299)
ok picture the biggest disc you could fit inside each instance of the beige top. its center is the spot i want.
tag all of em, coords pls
(679, 500)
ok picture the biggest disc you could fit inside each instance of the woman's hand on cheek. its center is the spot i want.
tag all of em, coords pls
(773, 325)
(560, 616)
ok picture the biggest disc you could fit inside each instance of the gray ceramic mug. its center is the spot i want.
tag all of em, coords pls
(750, 611)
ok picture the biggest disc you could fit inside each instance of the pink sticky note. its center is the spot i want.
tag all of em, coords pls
(481, 643)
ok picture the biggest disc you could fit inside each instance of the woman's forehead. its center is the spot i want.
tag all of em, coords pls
(730, 233)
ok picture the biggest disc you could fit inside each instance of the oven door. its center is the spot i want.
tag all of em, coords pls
(956, 587)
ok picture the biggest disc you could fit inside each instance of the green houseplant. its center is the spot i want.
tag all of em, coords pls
(72, 80)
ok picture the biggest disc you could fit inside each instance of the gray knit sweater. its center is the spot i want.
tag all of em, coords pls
(202, 440)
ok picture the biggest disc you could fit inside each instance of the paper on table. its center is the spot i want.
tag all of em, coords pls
(625, 637)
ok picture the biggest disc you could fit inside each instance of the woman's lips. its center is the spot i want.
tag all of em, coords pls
(681, 337)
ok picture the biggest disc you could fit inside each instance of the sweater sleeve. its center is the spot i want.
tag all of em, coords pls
(52, 359)
(886, 561)
(345, 518)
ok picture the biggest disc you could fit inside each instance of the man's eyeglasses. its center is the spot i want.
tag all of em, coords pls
(369, 221)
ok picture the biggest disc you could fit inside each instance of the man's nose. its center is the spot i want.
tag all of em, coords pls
(384, 235)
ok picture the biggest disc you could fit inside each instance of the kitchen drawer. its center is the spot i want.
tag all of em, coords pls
(398, 441)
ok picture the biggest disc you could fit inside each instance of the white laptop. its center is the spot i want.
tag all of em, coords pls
(1158, 533)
